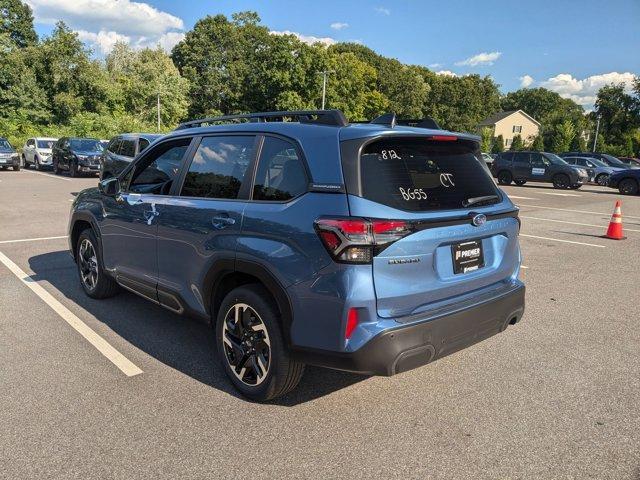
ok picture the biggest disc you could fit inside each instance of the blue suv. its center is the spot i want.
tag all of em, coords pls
(303, 239)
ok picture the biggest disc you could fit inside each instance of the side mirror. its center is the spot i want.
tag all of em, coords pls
(109, 186)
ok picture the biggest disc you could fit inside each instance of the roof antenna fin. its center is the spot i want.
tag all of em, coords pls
(386, 119)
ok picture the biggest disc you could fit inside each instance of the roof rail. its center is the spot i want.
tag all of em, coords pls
(391, 120)
(322, 117)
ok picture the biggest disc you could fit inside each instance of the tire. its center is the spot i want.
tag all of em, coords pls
(504, 178)
(603, 179)
(520, 182)
(16, 168)
(25, 165)
(628, 186)
(56, 168)
(73, 169)
(263, 345)
(38, 166)
(95, 282)
(561, 181)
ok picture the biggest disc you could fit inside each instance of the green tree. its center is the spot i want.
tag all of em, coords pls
(563, 134)
(498, 144)
(538, 144)
(619, 113)
(578, 144)
(486, 135)
(517, 144)
(140, 76)
(16, 21)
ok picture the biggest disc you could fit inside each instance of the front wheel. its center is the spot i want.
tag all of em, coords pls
(94, 281)
(56, 168)
(628, 186)
(561, 181)
(602, 180)
(504, 178)
(520, 182)
(73, 169)
(251, 345)
(16, 168)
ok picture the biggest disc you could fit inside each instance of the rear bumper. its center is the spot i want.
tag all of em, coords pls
(406, 347)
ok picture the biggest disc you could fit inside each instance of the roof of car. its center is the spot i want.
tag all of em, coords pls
(140, 134)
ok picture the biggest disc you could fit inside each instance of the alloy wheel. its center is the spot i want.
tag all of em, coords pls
(88, 262)
(246, 344)
(603, 180)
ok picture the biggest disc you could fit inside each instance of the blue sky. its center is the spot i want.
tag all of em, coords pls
(572, 47)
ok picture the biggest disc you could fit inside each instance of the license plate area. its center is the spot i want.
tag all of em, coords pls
(467, 256)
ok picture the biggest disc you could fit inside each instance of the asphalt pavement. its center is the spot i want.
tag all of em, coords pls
(555, 397)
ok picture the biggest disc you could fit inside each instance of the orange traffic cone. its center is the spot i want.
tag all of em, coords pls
(614, 231)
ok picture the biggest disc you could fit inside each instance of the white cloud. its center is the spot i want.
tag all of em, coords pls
(483, 58)
(339, 25)
(435, 66)
(584, 91)
(526, 81)
(101, 23)
(447, 73)
(308, 39)
(382, 10)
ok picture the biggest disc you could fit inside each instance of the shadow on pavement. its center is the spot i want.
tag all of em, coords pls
(179, 342)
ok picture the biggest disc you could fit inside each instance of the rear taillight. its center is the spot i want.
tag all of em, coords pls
(357, 240)
(352, 323)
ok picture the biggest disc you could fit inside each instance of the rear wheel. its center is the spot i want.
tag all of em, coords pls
(628, 186)
(56, 167)
(93, 279)
(602, 179)
(251, 345)
(561, 181)
(25, 165)
(520, 182)
(73, 169)
(504, 178)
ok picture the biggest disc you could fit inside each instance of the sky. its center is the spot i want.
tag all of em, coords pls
(573, 47)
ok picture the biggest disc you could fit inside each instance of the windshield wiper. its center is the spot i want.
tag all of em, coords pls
(472, 201)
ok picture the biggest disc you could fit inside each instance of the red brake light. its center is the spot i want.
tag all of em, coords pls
(352, 323)
(354, 240)
(444, 138)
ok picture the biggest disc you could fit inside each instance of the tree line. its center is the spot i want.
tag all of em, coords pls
(54, 86)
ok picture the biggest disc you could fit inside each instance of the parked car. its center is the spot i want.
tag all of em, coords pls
(38, 152)
(121, 150)
(523, 166)
(630, 161)
(77, 156)
(488, 159)
(610, 160)
(8, 156)
(598, 171)
(371, 248)
(626, 181)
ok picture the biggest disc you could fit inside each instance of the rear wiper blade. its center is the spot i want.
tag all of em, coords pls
(472, 201)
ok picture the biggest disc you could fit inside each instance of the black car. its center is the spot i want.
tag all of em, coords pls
(521, 167)
(630, 161)
(610, 160)
(121, 150)
(8, 155)
(626, 181)
(77, 156)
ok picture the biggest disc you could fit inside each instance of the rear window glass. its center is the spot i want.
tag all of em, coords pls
(418, 174)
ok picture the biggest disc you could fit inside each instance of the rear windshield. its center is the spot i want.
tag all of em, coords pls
(418, 174)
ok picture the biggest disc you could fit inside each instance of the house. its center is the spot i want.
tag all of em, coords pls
(510, 124)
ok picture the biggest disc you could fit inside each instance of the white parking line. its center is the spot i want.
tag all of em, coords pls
(521, 198)
(574, 223)
(577, 211)
(560, 194)
(47, 175)
(563, 241)
(20, 240)
(114, 356)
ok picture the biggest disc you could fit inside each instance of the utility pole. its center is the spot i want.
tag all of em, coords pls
(324, 74)
(595, 139)
(158, 111)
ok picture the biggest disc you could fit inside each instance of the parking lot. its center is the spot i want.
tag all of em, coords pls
(122, 388)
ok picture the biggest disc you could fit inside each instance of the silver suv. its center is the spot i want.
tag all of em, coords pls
(37, 151)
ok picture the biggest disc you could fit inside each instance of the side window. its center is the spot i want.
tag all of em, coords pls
(537, 160)
(142, 144)
(158, 170)
(582, 162)
(521, 158)
(31, 143)
(128, 148)
(218, 167)
(570, 161)
(281, 175)
(114, 146)
(507, 156)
